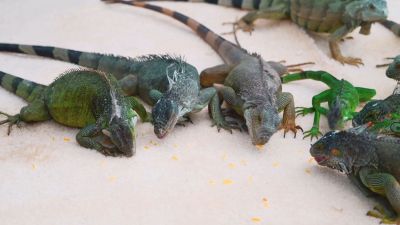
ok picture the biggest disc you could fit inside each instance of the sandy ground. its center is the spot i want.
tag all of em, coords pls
(196, 175)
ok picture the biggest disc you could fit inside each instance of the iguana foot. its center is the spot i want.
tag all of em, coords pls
(184, 120)
(350, 60)
(313, 133)
(290, 125)
(234, 120)
(380, 213)
(245, 27)
(302, 111)
(12, 120)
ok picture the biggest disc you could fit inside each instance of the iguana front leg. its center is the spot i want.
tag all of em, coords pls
(128, 84)
(318, 110)
(384, 184)
(276, 12)
(204, 98)
(365, 94)
(34, 112)
(334, 40)
(139, 108)
(286, 103)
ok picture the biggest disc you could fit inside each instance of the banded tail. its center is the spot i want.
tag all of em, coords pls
(25, 89)
(322, 76)
(239, 4)
(116, 65)
(393, 26)
(230, 53)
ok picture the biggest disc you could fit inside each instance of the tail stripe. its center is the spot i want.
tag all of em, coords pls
(60, 53)
(74, 56)
(14, 85)
(28, 49)
(2, 74)
(237, 3)
(44, 51)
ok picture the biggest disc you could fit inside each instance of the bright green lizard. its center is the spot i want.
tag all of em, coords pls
(370, 160)
(342, 97)
(85, 99)
(338, 18)
(250, 85)
(168, 83)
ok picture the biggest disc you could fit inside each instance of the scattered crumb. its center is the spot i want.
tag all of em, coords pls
(256, 219)
(112, 178)
(153, 143)
(212, 182)
(232, 165)
(308, 171)
(175, 145)
(276, 164)
(243, 162)
(33, 166)
(311, 160)
(67, 139)
(250, 179)
(224, 156)
(227, 182)
(265, 203)
(174, 157)
(260, 147)
(146, 147)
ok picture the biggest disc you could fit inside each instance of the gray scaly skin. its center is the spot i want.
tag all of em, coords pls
(168, 83)
(393, 26)
(335, 17)
(370, 160)
(377, 110)
(85, 99)
(250, 85)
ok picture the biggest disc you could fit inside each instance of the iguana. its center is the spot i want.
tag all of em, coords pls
(377, 110)
(370, 160)
(85, 99)
(393, 26)
(168, 83)
(342, 98)
(335, 17)
(250, 85)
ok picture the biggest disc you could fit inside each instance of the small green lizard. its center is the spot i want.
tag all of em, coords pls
(85, 99)
(342, 97)
(249, 84)
(370, 160)
(338, 18)
(168, 83)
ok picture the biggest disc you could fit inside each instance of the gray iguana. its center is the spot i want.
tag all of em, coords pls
(335, 17)
(85, 99)
(168, 83)
(250, 85)
(370, 160)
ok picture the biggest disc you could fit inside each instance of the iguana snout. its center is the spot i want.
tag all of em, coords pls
(165, 116)
(119, 136)
(393, 71)
(262, 123)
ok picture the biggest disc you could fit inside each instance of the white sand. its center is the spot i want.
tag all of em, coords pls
(196, 175)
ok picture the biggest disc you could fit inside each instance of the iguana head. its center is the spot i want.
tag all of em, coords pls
(346, 151)
(119, 137)
(373, 111)
(394, 69)
(339, 113)
(365, 12)
(262, 122)
(165, 116)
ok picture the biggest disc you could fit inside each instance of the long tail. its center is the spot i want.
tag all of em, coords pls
(116, 65)
(240, 4)
(229, 52)
(393, 26)
(25, 89)
(322, 76)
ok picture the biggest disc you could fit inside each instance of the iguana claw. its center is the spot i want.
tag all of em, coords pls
(12, 120)
(380, 213)
(313, 133)
(223, 125)
(290, 126)
(302, 111)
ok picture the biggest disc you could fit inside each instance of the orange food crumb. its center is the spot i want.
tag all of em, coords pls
(33, 166)
(256, 219)
(175, 145)
(174, 157)
(276, 164)
(67, 139)
(211, 182)
(153, 143)
(260, 147)
(224, 156)
(112, 178)
(311, 160)
(308, 171)
(232, 165)
(250, 179)
(265, 202)
(243, 162)
(146, 147)
(227, 182)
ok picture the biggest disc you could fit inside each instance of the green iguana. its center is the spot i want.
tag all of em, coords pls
(370, 160)
(338, 18)
(86, 99)
(342, 97)
(250, 85)
(377, 110)
(168, 83)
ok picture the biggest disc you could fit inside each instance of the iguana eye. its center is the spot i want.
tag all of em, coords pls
(336, 152)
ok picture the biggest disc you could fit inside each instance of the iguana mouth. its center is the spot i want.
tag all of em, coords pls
(320, 159)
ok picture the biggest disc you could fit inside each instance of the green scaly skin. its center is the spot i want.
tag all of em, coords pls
(250, 85)
(342, 98)
(168, 83)
(85, 99)
(370, 160)
(338, 18)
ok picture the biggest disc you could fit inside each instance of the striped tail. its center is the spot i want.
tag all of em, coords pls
(25, 89)
(229, 52)
(239, 4)
(116, 65)
(393, 26)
